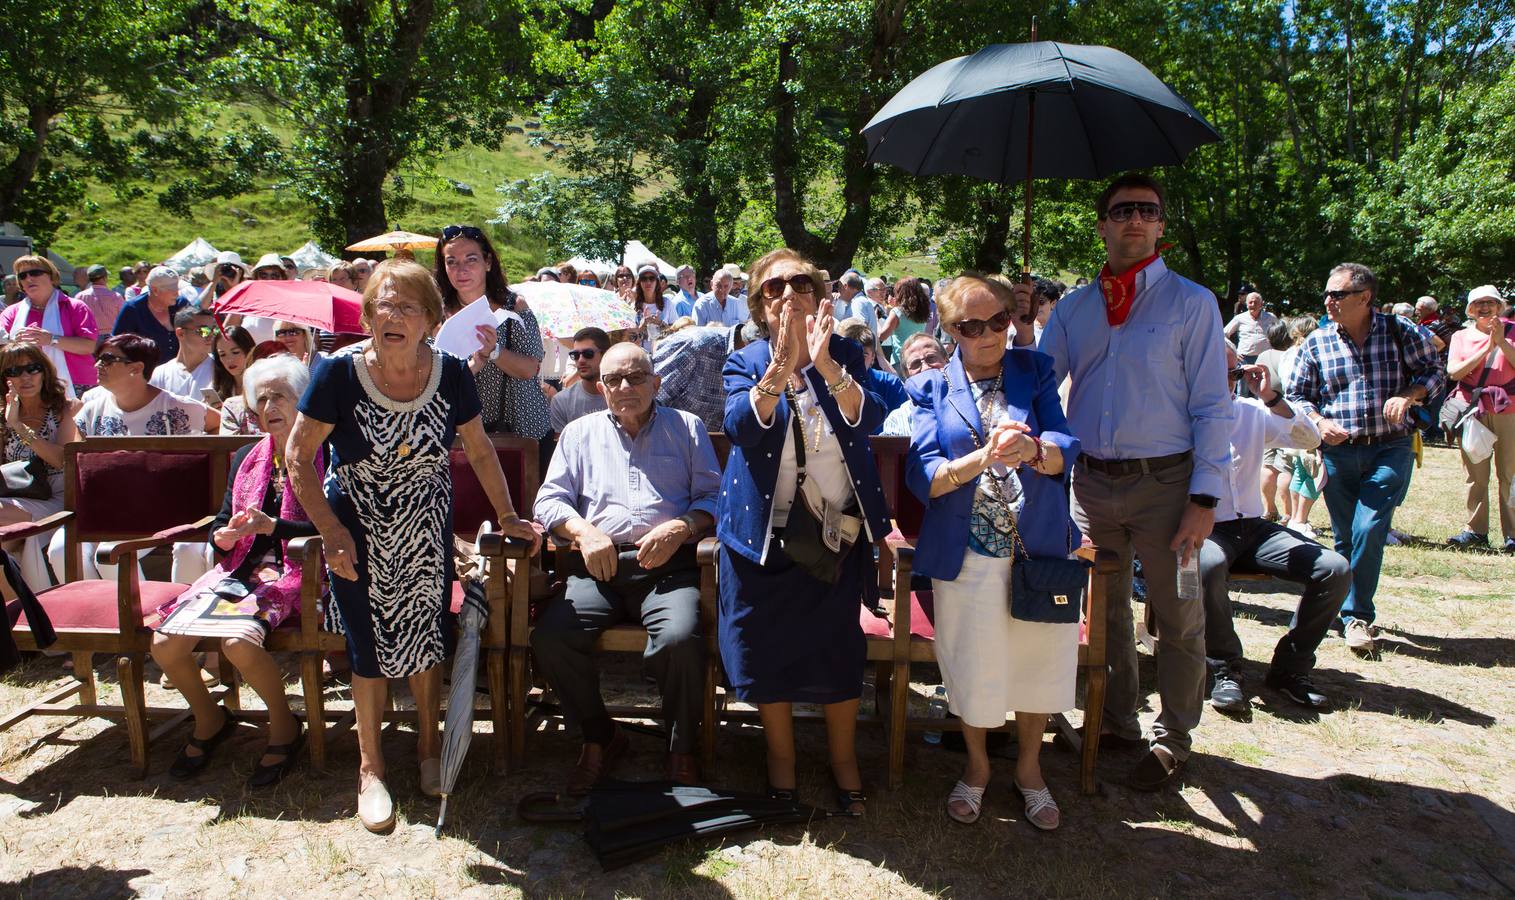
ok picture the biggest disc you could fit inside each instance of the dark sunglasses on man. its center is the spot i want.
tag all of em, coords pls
(972, 328)
(586, 353)
(773, 288)
(26, 369)
(1122, 212)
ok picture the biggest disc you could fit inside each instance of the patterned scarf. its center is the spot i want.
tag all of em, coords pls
(1120, 290)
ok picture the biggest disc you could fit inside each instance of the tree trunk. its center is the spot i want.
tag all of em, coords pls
(789, 193)
(17, 175)
(989, 250)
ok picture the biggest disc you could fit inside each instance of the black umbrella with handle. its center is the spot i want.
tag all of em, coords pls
(1044, 109)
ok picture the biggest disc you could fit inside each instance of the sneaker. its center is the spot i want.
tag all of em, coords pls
(1471, 539)
(1509, 545)
(1298, 688)
(1359, 638)
(1227, 694)
(1304, 530)
(1397, 538)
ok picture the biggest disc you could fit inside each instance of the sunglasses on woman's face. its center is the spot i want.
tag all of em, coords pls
(468, 231)
(773, 288)
(972, 328)
(106, 360)
(289, 332)
(648, 278)
(33, 273)
(27, 369)
(589, 282)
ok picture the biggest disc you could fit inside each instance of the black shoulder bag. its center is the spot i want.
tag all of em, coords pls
(817, 536)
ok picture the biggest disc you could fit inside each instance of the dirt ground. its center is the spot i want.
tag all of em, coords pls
(1404, 788)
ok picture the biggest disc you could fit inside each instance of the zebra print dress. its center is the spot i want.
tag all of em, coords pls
(388, 481)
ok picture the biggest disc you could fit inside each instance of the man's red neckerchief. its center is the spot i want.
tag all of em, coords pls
(1120, 290)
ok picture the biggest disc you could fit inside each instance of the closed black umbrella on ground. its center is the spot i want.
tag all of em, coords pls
(1014, 112)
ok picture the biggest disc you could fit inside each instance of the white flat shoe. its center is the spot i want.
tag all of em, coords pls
(375, 808)
(968, 795)
(431, 777)
(1041, 809)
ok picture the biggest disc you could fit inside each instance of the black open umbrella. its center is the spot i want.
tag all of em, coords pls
(1044, 109)
(627, 821)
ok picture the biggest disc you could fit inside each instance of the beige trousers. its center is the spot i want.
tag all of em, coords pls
(1477, 477)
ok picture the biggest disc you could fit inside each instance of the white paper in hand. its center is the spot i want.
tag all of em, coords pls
(460, 334)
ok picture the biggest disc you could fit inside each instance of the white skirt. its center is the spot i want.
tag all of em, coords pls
(994, 665)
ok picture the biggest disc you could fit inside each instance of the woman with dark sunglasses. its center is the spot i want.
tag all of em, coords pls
(39, 420)
(61, 327)
(990, 456)
(789, 632)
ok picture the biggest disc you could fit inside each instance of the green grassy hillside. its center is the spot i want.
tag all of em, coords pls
(119, 231)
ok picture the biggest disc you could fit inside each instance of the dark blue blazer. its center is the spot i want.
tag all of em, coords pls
(944, 412)
(745, 507)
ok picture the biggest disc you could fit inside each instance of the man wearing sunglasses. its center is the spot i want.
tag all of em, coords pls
(1357, 378)
(583, 396)
(1143, 350)
(191, 372)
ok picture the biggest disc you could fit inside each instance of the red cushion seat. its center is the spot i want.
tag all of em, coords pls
(91, 605)
(922, 616)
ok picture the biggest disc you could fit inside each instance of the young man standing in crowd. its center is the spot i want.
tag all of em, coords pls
(191, 372)
(583, 396)
(1147, 363)
(1357, 378)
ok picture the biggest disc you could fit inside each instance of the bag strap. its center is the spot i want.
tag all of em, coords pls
(799, 437)
(1019, 548)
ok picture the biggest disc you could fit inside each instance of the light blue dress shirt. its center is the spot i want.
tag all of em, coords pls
(1153, 386)
(626, 486)
(709, 311)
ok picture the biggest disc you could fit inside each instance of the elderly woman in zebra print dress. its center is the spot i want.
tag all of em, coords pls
(389, 408)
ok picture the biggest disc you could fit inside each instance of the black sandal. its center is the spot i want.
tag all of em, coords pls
(785, 794)
(186, 766)
(845, 800)
(265, 776)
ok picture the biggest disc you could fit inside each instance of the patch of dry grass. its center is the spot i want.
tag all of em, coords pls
(1408, 777)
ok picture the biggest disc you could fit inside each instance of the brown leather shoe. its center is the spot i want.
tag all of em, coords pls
(595, 763)
(682, 769)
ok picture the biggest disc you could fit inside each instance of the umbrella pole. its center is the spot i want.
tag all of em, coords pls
(441, 815)
(1026, 212)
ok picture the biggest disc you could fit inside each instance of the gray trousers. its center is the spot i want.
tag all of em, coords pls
(665, 601)
(1260, 547)
(1137, 516)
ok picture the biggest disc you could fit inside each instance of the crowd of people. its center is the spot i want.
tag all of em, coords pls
(1123, 410)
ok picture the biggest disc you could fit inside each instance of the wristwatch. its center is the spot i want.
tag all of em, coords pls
(1204, 500)
(495, 354)
(1278, 397)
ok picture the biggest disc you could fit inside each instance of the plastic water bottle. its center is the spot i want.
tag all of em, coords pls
(1188, 576)
(937, 710)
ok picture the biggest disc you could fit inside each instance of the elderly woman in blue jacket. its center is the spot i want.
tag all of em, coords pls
(990, 447)
(788, 633)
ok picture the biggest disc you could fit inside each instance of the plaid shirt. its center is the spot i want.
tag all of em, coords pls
(1333, 378)
(690, 363)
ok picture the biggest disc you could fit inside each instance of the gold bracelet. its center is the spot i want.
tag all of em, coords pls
(951, 475)
(841, 384)
(28, 434)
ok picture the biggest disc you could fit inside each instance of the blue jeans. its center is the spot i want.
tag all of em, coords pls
(1365, 484)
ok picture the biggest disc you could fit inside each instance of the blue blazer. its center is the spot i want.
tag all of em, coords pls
(745, 507)
(944, 412)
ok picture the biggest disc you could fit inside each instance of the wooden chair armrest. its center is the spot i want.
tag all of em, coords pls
(707, 550)
(111, 553)
(498, 546)
(1106, 566)
(706, 553)
(902, 546)
(303, 549)
(23, 530)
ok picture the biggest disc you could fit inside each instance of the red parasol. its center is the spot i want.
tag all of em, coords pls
(318, 304)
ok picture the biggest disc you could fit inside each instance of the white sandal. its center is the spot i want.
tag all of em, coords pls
(973, 796)
(1039, 801)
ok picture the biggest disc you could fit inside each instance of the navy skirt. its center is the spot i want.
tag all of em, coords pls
(786, 637)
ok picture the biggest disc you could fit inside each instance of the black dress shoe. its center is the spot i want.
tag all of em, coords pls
(186, 766)
(1114, 742)
(1298, 688)
(1228, 695)
(263, 776)
(1153, 771)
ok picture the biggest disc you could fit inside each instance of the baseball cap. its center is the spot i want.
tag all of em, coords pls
(98, 271)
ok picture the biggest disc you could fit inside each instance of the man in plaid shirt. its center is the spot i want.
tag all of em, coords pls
(1357, 379)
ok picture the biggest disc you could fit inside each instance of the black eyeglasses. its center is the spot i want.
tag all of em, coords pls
(28, 369)
(1122, 212)
(586, 353)
(773, 288)
(106, 360)
(289, 332)
(972, 328)
(1339, 296)
(635, 379)
(468, 231)
(33, 273)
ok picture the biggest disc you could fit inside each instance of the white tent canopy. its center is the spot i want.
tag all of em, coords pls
(634, 254)
(197, 252)
(312, 257)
